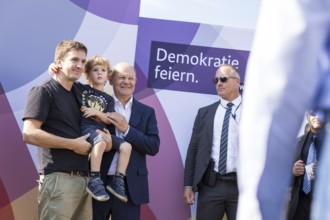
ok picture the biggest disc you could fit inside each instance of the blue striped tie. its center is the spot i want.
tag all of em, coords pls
(224, 141)
(310, 159)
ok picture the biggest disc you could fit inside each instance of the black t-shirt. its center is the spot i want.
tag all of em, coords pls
(90, 97)
(59, 111)
(93, 98)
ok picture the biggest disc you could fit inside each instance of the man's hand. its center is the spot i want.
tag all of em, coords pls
(118, 120)
(188, 195)
(313, 173)
(298, 168)
(107, 138)
(81, 145)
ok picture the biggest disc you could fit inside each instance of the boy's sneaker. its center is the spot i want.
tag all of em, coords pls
(117, 188)
(96, 188)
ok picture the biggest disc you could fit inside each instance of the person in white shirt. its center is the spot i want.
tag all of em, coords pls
(210, 167)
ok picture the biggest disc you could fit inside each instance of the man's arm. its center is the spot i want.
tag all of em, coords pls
(33, 134)
(189, 168)
(145, 141)
(190, 162)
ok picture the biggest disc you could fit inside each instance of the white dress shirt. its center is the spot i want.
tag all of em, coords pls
(232, 134)
(125, 111)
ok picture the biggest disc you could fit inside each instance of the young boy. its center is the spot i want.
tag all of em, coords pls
(95, 103)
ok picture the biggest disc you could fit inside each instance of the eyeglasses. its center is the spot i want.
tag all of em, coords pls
(314, 113)
(222, 79)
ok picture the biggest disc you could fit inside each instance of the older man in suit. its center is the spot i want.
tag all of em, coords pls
(303, 181)
(210, 166)
(136, 123)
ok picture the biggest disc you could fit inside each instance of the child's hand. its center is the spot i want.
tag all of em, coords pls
(53, 69)
(88, 112)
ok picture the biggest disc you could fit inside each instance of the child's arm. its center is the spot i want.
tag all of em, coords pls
(53, 68)
(92, 112)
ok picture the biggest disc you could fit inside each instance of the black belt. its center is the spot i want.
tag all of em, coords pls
(71, 172)
(227, 176)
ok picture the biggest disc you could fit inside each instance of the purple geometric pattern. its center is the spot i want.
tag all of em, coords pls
(160, 30)
(123, 11)
(35, 28)
(35, 50)
(18, 173)
(166, 168)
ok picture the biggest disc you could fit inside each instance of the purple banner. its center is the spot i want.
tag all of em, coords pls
(190, 68)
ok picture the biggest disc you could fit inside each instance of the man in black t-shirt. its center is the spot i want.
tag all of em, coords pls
(52, 122)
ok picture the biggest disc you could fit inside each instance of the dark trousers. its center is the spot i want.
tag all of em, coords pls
(214, 201)
(116, 208)
(303, 209)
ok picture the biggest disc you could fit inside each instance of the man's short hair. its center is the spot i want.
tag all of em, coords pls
(65, 46)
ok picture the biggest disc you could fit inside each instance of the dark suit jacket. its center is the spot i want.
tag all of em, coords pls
(143, 136)
(297, 181)
(200, 146)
